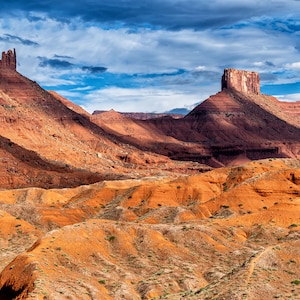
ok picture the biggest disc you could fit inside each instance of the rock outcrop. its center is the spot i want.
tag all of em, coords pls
(9, 60)
(241, 81)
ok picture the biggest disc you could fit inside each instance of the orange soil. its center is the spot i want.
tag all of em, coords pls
(231, 232)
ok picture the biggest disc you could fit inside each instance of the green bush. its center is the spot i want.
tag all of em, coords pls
(111, 238)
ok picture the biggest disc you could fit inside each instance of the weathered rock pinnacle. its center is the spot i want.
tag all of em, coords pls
(9, 60)
(242, 81)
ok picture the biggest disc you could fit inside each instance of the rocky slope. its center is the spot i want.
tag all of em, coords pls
(231, 233)
(47, 141)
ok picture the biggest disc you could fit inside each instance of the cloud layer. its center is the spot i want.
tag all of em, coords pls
(152, 55)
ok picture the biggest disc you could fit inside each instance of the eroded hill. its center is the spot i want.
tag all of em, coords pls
(231, 233)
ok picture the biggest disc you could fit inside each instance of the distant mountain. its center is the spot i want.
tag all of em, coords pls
(236, 125)
(144, 116)
(178, 111)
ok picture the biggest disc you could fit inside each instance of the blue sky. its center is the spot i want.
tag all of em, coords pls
(152, 55)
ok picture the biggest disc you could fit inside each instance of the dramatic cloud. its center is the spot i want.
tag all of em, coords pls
(55, 63)
(62, 56)
(64, 64)
(94, 70)
(151, 55)
(16, 39)
(192, 14)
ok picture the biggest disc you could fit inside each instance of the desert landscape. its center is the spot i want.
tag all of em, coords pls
(114, 206)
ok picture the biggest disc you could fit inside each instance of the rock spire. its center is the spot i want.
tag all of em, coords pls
(242, 81)
(9, 60)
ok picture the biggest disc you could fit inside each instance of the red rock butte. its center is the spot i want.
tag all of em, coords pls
(9, 60)
(241, 81)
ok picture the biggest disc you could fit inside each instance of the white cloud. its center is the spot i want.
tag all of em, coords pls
(145, 51)
(149, 51)
(200, 68)
(142, 100)
(294, 66)
(288, 97)
(259, 64)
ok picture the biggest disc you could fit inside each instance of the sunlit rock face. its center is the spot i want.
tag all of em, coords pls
(242, 81)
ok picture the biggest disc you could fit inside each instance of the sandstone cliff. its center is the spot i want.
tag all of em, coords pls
(241, 81)
(9, 60)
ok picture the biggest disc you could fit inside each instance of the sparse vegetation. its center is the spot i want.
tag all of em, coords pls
(111, 238)
(102, 281)
(225, 206)
(225, 187)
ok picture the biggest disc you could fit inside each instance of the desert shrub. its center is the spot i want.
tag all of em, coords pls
(111, 238)
(293, 225)
(224, 206)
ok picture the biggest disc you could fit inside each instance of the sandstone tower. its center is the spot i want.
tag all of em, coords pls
(9, 60)
(241, 81)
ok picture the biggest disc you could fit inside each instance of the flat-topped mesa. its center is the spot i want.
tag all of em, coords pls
(242, 81)
(9, 60)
